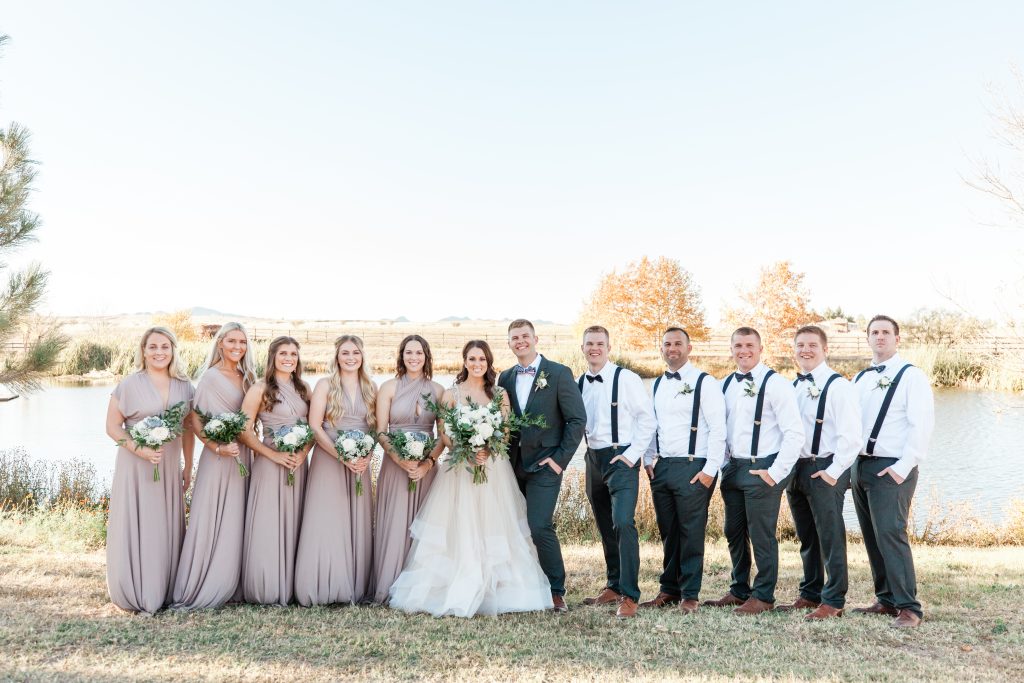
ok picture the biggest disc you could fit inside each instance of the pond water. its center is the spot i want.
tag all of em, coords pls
(970, 459)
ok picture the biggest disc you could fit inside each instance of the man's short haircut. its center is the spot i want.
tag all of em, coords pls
(597, 329)
(677, 329)
(812, 329)
(521, 322)
(744, 332)
(895, 325)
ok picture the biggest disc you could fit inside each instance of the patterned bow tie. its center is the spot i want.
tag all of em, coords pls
(520, 370)
(877, 368)
(740, 378)
(595, 378)
(672, 375)
(801, 378)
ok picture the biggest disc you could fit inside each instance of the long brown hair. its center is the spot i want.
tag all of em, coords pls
(270, 388)
(428, 363)
(335, 392)
(490, 376)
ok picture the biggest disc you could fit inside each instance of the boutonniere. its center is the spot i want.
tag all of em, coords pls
(748, 388)
(687, 389)
(813, 391)
(883, 383)
(542, 381)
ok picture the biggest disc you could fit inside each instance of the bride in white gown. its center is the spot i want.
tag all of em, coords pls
(472, 552)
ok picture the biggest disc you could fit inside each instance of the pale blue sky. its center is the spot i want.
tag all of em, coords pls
(425, 159)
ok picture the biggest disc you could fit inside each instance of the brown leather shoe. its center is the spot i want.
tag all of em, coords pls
(800, 603)
(906, 619)
(823, 612)
(689, 606)
(662, 600)
(559, 604)
(605, 597)
(752, 606)
(627, 608)
(727, 600)
(877, 608)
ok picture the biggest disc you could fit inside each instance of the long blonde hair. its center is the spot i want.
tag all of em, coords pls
(140, 353)
(246, 366)
(336, 393)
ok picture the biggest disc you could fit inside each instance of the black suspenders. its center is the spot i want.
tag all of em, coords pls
(819, 420)
(758, 410)
(884, 409)
(694, 416)
(615, 405)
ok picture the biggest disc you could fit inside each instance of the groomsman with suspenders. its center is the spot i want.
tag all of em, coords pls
(620, 425)
(765, 434)
(830, 409)
(898, 414)
(683, 462)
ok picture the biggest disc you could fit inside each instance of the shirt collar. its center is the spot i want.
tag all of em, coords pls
(686, 369)
(536, 362)
(759, 371)
(821, 373)
(606, 371)
(894, 363)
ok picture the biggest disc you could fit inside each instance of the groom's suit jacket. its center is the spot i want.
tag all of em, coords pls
(561, 405)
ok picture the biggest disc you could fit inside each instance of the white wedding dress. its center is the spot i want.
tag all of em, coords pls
(472, 552)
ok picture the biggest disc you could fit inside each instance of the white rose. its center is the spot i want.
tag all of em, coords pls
(477, 440)
(348, 445)
(290, 439)
(159, 434)
(367, 440)
(214, 425)
(415, 448)
(485, 430)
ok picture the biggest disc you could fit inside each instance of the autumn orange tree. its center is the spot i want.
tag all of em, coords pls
(637, 303)
(775, 307)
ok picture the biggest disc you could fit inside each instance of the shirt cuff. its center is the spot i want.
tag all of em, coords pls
(835, 471)
(903, 467)
(710, 469)
(777, 474)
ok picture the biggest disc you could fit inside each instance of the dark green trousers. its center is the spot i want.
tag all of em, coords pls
(682, 512)
(541, 492)
(751, 521)
(817, 511)
(612, 490)
(883, 510)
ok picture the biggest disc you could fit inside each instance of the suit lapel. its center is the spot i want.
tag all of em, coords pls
(510, 387)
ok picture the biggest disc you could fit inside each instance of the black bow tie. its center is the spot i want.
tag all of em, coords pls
(740, 378)
(595, 378)
(672, 375)
(877, 368)
(801, 378)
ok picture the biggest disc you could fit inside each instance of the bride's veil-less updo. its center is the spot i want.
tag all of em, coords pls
(490, 376)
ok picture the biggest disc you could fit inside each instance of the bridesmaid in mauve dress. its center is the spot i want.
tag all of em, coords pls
(273, 512)
(400, 406)
(147, 518)
(336, 543)
(210, 569)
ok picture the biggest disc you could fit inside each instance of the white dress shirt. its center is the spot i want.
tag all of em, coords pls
(840, 431)
(908, 423)
(673, 410)
(782, 431)
(636, 415)
(524, 383)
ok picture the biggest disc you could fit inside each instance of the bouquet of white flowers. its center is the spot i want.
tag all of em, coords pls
(225, 428)
(473, 428)
(413, 446)
(292, 440)
(352, 445)
(157, 430)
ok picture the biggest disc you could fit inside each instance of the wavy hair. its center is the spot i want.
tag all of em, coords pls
(490, 376)
(270, 388)
(246, 366)
(428, 364)
(173, 369)
(336, 393)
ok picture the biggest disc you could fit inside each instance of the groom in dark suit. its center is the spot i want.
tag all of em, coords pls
(538, 386)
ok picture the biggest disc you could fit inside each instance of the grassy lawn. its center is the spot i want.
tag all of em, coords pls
(57, 624)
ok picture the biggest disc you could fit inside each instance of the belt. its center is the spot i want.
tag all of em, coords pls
(688, 458)
(607, 449)
(812, 458)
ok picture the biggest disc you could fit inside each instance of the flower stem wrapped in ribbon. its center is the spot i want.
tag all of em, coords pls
(292, 440)
(157, 430)
(353, 445)
(473, 428)
(414, 446)
(225, 428)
